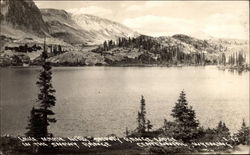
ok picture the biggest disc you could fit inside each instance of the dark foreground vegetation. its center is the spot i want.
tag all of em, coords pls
(183, 135)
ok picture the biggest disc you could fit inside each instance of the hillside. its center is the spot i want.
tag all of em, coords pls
(142, 50)
(229, 46)
(22, 15)
(22, 23)
(83, 28)
(61, 26)
(21, 19)
(102, 29)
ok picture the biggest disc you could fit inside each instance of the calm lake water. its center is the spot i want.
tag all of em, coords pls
(98, 101)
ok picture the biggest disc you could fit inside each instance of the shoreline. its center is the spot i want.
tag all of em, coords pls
(113, 145)
(118, 65)
(234, 68)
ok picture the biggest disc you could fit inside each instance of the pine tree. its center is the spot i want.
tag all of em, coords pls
(105, 45)
(35, 125)
(119, 42)
(129, 41)
(110, 44)
(149, 126)
(46, 100)
(139, 127)
(240, 59)
(185, 119)
(127, 132)
(222, 130)
(59, 48)
(223, 59)
(142, 117)
(26, 48)
(243, 134)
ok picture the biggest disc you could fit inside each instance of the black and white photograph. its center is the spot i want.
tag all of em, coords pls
(124, 77)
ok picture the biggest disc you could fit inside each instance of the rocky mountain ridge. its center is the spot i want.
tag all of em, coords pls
(23, 15)
(22, 19)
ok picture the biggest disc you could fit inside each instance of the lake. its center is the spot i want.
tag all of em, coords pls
(98, 101)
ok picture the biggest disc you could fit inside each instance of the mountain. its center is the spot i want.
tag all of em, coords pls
(83, 28)
(103, 29)
(61, 26)
(215, 45)
(24, 22)
(22, 15)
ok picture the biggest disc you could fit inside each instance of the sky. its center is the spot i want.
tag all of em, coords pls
(201, 19)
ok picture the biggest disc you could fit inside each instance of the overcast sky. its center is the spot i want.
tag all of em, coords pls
(222, 19)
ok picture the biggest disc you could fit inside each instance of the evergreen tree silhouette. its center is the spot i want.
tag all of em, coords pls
(243, 134)
(142, 117)
(185, 119)
(40, 120)
(222, 130)
(35, 125)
